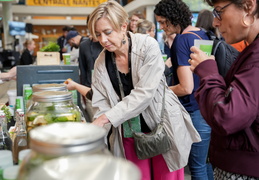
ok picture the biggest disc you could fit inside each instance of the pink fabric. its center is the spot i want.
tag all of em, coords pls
(154, 168)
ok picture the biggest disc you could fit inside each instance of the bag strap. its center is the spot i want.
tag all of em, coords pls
(123, 95)
(189, 32)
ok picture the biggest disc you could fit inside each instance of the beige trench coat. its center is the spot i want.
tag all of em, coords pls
(147, 68)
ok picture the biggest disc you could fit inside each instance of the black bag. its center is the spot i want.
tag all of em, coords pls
(168, 75)
(224, 53)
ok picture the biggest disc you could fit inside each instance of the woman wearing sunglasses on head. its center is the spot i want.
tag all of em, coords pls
(231, 105)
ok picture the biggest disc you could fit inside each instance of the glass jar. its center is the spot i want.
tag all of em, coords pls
(64, 151)
(51, 107)
(49, 87)
(62, 140)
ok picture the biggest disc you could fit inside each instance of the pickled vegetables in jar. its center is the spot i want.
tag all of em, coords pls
(51, 107)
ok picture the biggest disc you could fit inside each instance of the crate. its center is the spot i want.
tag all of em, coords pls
(48, 58)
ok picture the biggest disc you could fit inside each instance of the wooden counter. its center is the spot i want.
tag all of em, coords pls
(4, 87)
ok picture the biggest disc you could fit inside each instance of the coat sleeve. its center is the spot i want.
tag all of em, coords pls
(101, 102)
(227, 109)
(148, 73)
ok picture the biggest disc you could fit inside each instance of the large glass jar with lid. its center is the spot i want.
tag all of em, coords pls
(65, 151)
(51, 107)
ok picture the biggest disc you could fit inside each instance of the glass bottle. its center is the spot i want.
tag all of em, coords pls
(5, 140)
(16, 117)
(20, 140)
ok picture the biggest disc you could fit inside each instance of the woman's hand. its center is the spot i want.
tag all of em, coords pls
(101, 121)
(71, 85)
(11, 74)
(197, 57)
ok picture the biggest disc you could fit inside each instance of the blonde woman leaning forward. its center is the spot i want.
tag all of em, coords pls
(139, 62)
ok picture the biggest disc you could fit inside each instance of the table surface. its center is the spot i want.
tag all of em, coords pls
(4, 87)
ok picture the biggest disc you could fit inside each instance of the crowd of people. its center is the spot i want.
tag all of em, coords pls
(212, 121)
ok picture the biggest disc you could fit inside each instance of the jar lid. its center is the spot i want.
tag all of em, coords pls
(49, 87)
(67, 138)
(51, 96)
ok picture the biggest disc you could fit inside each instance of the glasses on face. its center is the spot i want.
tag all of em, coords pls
(218, 11)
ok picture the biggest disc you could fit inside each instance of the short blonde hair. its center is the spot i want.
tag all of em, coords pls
(111, 10)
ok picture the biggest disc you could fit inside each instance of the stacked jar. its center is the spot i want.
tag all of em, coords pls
(73, 151)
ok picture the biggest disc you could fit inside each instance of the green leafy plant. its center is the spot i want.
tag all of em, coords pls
(7, 112)
(51, 47)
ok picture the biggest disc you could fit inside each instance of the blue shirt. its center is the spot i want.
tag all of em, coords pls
(180, 54)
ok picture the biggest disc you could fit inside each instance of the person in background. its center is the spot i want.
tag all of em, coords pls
(74, 39)
(89, 50)
(26, 57)
(174, 17)
(168, 41)
(137, 61)
(146, 27)
(205, 21)
(240, 46)
(61, 41)
(230, 105)
(136, 16)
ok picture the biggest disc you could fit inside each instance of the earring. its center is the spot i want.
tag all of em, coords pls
(246, 23)
(123, 41)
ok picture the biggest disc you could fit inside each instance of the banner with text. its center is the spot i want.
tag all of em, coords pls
(71, 3)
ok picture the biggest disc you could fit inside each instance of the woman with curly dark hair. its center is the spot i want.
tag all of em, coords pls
(174, 16)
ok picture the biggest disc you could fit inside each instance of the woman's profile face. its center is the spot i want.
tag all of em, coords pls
(108, 37)
(31, 46)
(230, 25)
(165, 25)
(133, 23)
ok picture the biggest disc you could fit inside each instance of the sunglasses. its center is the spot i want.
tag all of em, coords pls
(217, 11)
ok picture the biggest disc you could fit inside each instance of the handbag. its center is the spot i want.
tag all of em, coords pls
(148, 145)
(151, 144)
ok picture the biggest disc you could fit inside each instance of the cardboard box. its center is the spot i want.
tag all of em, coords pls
(48, 58)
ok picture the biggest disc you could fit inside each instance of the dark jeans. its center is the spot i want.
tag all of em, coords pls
(200, 170)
